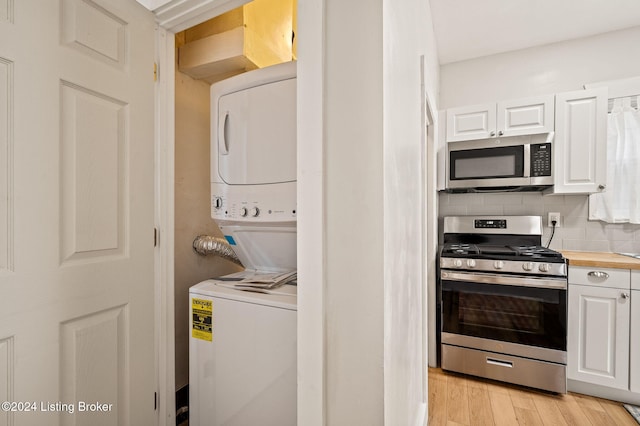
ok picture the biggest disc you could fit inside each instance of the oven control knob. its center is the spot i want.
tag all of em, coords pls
(544, 267)
(471, 263)
(527, 266)
(498, 264)
(457, 263)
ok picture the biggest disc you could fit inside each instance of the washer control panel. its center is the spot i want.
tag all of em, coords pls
(251, 204)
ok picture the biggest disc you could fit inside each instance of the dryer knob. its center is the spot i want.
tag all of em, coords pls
(244, 212)
(217, 202)
(255, 212)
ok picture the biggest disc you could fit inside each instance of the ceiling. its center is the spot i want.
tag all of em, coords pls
(467, 29)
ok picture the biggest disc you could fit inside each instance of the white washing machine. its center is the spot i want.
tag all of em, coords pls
(242, 349)
(242, 368)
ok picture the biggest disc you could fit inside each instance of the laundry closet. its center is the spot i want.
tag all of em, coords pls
(259, 34)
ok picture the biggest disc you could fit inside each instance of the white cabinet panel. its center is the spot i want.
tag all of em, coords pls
(580, 149)
(598, 342)
(634, 373)
(600, 277)
(525, 116)
(635, 280)
(472, 122)
(516, 117)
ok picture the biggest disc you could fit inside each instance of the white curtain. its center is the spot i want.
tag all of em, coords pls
(620, 202)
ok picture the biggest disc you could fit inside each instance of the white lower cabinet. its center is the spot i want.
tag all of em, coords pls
(634, 379)
(599, 322)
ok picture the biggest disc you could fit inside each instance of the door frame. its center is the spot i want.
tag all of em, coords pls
(164, 225)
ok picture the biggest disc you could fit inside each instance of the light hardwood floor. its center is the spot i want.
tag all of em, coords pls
(456, 399)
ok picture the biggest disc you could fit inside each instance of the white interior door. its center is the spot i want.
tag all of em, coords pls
(76, 212)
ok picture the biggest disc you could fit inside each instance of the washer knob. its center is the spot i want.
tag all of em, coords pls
(498, 264)
(471, 263)
(527, 266)
(255, 212)
(244, 212)
(544, 267)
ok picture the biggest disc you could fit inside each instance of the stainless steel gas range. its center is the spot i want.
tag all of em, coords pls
(503, 301)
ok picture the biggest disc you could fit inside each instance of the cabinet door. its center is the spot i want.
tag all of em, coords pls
(525, 116)
(598, 340)
(580, 146)
(471, 122)
(634, 382)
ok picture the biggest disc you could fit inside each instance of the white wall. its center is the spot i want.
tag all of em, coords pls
(353, 212)
(405, 38)
(542, 70)
(576, 232)
(360, 99)
(545, 70)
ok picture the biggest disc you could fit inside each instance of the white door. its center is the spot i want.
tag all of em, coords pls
(76, 212)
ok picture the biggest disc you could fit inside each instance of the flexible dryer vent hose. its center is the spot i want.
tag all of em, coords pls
(206, 245)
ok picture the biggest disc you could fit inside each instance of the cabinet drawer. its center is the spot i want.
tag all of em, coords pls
(600, 277)
(635, 280)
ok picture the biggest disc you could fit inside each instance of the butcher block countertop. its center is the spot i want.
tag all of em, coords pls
(600, 259)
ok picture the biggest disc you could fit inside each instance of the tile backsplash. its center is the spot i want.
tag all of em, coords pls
(576, 231)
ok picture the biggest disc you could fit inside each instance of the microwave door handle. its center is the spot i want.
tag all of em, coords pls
(527, 161)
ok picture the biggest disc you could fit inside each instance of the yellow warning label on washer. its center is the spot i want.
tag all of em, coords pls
(202, 319)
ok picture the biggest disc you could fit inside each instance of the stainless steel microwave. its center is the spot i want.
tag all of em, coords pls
(512, 163)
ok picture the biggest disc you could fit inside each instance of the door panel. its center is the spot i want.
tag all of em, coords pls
(76, 211)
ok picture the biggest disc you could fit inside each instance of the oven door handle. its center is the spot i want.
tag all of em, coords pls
(514, 280)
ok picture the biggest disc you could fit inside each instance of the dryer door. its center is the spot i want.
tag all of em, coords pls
(256, 132)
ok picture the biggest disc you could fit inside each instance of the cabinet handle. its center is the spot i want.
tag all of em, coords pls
(492, 133)
(598, 274)
(601, 187)
(624, 295)
(500, 133)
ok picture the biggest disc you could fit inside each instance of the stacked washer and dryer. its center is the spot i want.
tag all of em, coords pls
(242, 349)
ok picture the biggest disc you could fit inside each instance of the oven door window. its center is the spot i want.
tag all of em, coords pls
(487, 163)
(524, 315)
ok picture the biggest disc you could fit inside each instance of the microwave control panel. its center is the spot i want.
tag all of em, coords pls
(541, 159)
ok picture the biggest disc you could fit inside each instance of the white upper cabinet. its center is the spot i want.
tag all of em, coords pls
(507, 118)
(471, 122)
(580, 147)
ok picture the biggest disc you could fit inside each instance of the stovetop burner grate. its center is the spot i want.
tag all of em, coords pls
(502, 252)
